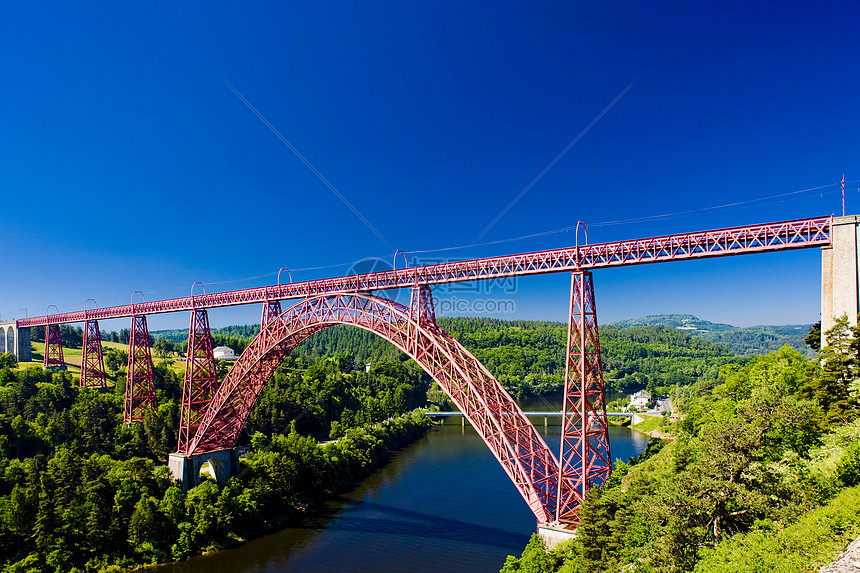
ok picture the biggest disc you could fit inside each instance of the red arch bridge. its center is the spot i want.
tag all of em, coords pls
(213, 414)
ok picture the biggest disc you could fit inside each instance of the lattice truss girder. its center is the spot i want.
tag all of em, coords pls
(510, 436)
(585, 458)
(784, 235)
(139, 382)
(92, 362)
(201, 378)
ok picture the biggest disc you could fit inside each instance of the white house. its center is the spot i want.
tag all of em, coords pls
(640, 399)
(223, 353)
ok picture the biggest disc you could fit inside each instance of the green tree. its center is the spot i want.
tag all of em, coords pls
(839, 359)
(8, 360)
(145, 528)
(533, 560)
(163, 347)
(813, 339)
(839, 362)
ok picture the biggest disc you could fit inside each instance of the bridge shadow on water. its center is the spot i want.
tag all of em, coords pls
(388, 520)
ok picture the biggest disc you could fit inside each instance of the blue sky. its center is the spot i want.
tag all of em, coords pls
(127, 163)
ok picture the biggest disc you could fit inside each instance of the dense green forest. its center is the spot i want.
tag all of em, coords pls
(527, 357)
(754, 340)
(81, 491)
(762, 474)
(766, 452)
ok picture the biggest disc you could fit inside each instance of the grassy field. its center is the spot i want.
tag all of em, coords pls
(649, 423)
(74, 356)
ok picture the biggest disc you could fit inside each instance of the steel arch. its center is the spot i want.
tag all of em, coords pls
(510, 436)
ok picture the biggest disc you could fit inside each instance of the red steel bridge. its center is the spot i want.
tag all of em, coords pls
(213, 413)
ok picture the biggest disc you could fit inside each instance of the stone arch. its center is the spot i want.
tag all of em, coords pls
(509, 435)
(219, 467)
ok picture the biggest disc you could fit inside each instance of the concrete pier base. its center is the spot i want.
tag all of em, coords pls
(224, 463)
(840, 273)
(553, 534)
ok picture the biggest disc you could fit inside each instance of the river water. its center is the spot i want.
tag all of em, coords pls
(441, 504)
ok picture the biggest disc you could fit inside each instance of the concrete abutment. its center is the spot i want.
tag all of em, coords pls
(14, 340)
(554, 533)
(840, 273)
(224, 463)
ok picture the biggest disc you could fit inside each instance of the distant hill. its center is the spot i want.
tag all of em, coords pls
(743, 341)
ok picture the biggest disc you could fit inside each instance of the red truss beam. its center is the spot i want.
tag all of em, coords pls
(584, 460)
(53, 347)
(139, 382)
(509, 435)
(201, 379)
(92, 363)
(786, 235)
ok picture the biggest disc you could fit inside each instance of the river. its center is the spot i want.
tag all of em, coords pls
(441, 504)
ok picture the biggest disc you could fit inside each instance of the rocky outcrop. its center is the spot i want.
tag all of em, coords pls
(848, 562)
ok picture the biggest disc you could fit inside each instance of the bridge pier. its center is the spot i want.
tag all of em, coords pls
(186, 469)
(554, 533)
(840, 273)
(139, 378)
(14, 340)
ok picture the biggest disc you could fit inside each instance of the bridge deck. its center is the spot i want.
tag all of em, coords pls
(786, 235)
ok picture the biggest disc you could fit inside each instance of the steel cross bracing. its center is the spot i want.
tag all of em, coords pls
(786, 235)
(585, 461)
(53, 347)
(201, 379)
(139, 382)
(507, 432)
(92, 361)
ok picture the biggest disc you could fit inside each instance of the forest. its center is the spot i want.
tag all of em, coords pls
(527, 357)
(762, 474)
(81, 491)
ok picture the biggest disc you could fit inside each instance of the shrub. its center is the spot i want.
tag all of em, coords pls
(848, 467)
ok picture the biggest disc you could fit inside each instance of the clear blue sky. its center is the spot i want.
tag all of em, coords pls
(127, 163)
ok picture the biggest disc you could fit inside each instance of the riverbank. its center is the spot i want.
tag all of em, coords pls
(397, 433)
(282, 478)
(652, 426)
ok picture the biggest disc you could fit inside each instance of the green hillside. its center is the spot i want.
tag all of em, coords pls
(753, 340)
(761, 474)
